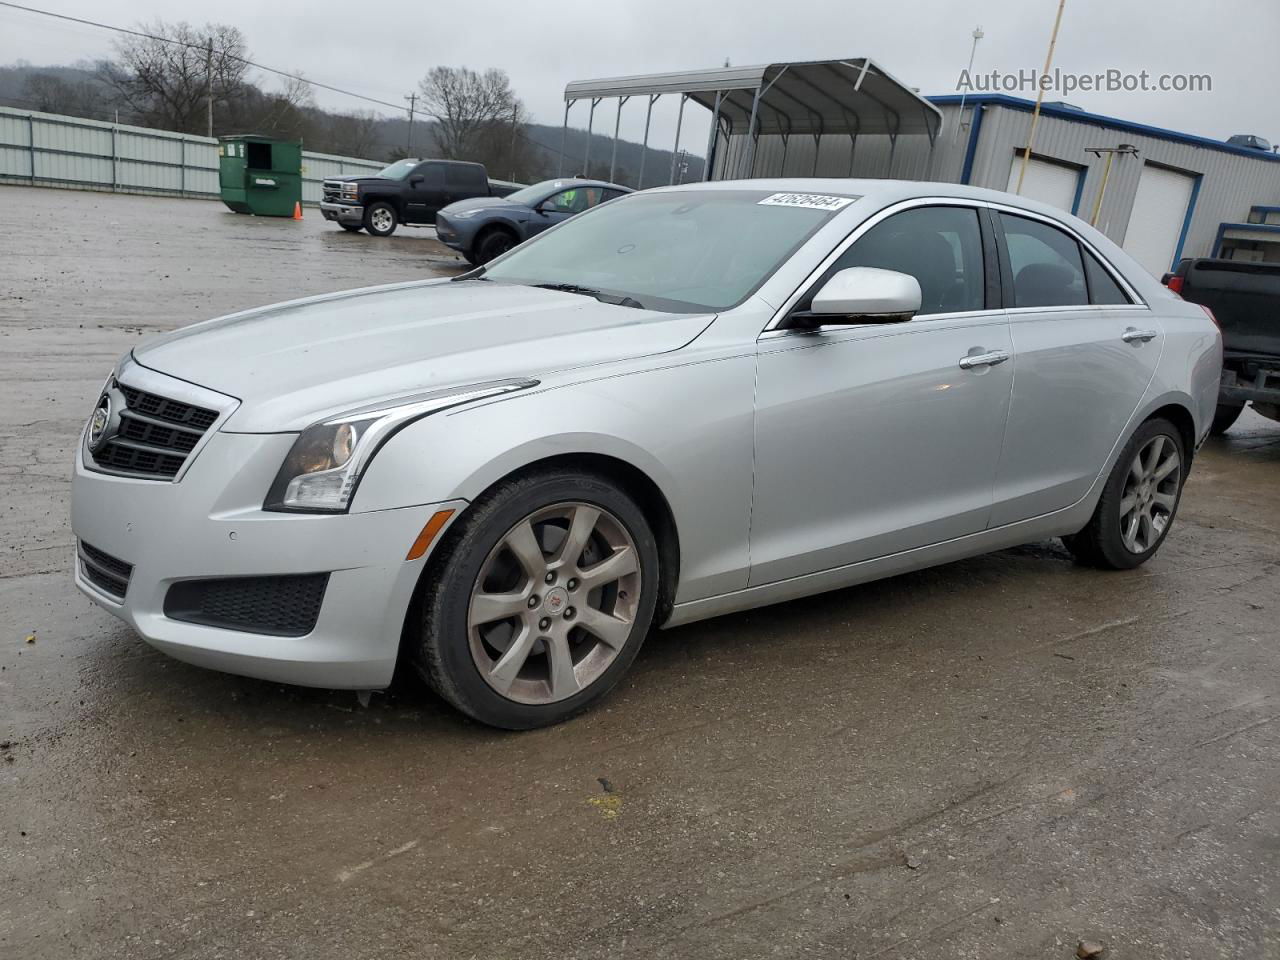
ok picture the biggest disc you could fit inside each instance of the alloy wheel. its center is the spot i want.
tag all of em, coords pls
(382, 220)
(1150, 494)
(554, 603)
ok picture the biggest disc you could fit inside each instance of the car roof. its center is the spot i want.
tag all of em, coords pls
(880, 192)
(562, 182)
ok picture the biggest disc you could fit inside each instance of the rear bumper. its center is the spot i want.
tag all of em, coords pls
(350, 213)
(1263, 387)
(211, 525)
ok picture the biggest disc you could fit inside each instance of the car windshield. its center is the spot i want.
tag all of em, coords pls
(681, 251)
(532, 194)
(398, 170)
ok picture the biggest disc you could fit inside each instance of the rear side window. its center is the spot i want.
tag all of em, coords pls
(940, 246)
(466, 176)
(1045, 264)
(1102, 287)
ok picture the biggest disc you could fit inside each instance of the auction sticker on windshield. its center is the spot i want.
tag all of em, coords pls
(813, 201)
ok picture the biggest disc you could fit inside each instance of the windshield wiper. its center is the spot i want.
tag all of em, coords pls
(615, 299)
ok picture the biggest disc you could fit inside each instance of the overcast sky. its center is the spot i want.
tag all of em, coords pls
(381, 49)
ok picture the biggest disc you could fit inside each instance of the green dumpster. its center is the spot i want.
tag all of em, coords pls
(260, 175)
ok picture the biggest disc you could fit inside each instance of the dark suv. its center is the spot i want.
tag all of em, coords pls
(408, 191)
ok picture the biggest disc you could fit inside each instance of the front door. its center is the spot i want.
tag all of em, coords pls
(879, 438)
(425, 194)
(1086, 353)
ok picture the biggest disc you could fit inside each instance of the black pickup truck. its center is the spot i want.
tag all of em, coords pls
(1245, 300)
(408, 191)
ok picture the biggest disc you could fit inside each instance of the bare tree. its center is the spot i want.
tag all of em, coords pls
(164, 77)
(468, 108)
(50, 93)
(352, 134)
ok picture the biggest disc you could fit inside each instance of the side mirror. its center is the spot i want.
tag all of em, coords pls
(864, 295)
(541, 209)
(416, 181)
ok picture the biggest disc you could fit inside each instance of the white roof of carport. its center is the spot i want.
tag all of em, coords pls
(816, 97)
(850, 96)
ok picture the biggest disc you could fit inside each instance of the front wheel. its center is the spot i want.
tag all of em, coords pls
(1138, 503)
(541, 600)
(380, 219)
(491, 245)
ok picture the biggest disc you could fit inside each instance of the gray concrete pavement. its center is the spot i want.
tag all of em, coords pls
(995, 758)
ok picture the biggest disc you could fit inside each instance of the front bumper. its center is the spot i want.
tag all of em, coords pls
(211, 524)
(447, 232)
(352, 213)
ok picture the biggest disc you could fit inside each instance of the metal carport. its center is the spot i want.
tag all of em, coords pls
(816, 98)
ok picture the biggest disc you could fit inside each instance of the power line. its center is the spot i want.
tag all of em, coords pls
(196, 46)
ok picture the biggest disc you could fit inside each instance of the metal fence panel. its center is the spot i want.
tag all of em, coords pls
(51, 150)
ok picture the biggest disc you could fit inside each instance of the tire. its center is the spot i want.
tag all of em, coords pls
(351, 227)
(1226, 415)
(380, 219)
(526, 655)
(1135, 488)
(492, 244)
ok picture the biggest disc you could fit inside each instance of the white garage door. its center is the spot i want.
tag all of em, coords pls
(1159, 210)
(1050, 183)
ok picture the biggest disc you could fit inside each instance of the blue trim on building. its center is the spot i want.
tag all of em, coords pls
(1224, 227)
(1075, 201)
(1099, 120)
(1186, 221)
(971, 148)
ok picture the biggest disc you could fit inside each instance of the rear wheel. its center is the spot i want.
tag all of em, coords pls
(543, 597)
(1138, 503)
(492, 244)
(1226, 415)
(380, 219)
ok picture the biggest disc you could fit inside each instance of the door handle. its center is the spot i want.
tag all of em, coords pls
(983, 359)
(1134, 335)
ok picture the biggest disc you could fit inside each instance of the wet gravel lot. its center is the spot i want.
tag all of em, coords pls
(995, 758)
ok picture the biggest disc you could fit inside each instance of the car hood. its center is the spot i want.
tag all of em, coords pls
(478, 203)
(294, 363)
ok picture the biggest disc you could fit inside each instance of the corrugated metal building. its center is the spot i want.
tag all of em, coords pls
(1178, 195)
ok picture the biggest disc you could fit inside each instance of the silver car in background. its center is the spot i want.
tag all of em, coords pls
(686, 402)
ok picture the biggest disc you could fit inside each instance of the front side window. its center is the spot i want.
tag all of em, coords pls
(940, 246)
(1045, 264)
(432, 175)
(683, 250)
(573, 200)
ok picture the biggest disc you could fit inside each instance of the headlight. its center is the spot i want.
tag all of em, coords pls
(351, 190)
(463, 214)
(326, 462)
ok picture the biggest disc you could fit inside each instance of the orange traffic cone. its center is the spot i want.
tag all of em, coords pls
(297, 210)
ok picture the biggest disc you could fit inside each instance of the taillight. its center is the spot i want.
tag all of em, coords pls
(1174, 283)
(1209, 313)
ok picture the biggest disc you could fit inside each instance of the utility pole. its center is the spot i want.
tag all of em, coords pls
(1035, 114)
(515, 110)
(973, 52)
(208, 69)
(413, 102)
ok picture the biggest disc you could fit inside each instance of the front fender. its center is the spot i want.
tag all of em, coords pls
(687, 426)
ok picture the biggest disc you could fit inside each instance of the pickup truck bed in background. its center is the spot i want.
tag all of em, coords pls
(1245, 300)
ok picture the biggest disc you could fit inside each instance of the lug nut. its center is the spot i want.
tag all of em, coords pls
(550, 577)
(533, 601)
(572, 584)
(569, 613)
(544, 623)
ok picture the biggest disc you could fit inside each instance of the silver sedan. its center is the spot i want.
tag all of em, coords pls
(690, 401)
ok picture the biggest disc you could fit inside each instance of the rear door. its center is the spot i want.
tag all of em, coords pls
(1085, 351)
(883, 437)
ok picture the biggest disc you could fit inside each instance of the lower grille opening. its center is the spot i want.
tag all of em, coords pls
(109, 574)
(285, 606)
